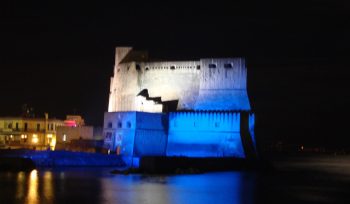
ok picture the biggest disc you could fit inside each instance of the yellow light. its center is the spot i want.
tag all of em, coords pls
(33, 185)
(53, 144)
(11, 136)
(49, 135)
(35, 138)
(22, 136)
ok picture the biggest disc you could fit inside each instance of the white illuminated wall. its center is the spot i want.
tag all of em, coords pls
(195, 84)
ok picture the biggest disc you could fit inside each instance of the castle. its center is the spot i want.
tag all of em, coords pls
(178, 108)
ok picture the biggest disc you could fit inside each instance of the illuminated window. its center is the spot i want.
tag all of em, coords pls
(35, 138)
(212, 65)
(228, 66)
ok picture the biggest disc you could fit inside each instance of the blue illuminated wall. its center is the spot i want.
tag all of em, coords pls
(151, 134)
(135, 134)
(205, 134)
(251, 130)
(189, 134)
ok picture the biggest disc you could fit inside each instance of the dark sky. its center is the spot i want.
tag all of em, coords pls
(58, 57)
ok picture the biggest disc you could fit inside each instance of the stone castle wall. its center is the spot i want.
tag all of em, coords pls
(205, 134)
(206, 84)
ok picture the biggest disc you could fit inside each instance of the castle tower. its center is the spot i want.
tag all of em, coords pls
(223, 85)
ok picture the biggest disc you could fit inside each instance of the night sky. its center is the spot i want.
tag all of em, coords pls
(59, 58)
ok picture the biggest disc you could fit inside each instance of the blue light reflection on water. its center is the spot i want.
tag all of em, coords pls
(99, 186)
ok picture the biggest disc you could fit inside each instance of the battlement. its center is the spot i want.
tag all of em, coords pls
(171, 65)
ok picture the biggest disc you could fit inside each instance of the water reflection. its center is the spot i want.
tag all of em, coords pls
(48, 187)
(294, 183)
(32, 196)
(99, 186)
(206, 188)
(20, 185)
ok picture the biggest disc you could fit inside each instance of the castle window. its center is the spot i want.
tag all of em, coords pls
(9, 126)
(110, 125)
(108, 135)
(146, 68)
(217, 124)
(172, 67)
(38, 127)
(228, 66)
(198, 67)
(25, 126)
(128, 124)
(212, 65)
(17, 126)
(138, 68)
(120, 125)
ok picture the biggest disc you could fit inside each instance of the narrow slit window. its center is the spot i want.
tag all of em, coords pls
(228, 66)
(212, 65)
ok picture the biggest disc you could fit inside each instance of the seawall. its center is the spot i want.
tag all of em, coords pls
(63, 158)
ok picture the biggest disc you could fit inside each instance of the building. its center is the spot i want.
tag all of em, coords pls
(30, 133)
(75, 135)
(196, 108)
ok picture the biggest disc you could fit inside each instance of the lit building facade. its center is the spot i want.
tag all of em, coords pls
(196, 108)
(29, 133)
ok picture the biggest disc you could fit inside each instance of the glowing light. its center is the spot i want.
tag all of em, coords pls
(49, 135)
(11, 136)
(64, 137)
(22, 136)
(32, 196)
(35, 138)
(53, 143)
(70, 123)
